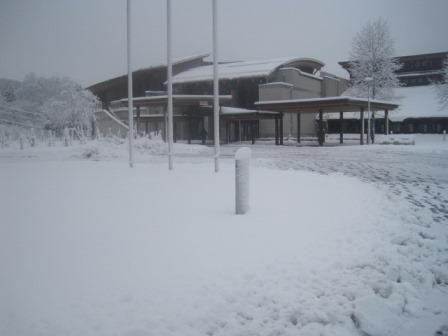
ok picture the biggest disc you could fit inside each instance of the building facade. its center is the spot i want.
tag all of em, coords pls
(243, 82)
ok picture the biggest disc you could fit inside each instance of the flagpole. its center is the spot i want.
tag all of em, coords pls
(215, 86)
(130, 104)
(169, 84)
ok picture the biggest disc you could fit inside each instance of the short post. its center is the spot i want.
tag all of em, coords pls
(444, 135)
(242, 167)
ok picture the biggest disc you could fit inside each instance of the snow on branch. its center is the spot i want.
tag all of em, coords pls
(52, 103)
(372, 57)
(442, 88)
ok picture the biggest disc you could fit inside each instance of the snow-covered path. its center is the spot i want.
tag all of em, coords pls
(419, 174)
(317, 254)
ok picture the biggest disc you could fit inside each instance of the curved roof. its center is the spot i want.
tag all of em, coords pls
(148, 71)
(244, 69)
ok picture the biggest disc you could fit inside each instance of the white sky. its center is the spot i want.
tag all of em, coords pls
(85, 39)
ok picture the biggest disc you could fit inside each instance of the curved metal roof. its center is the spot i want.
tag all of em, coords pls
(244, 69)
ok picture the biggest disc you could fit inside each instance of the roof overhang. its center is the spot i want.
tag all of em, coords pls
(178, 100)
(246, 114)
(328, 104)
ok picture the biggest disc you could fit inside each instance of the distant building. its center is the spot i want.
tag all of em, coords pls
(419, 111)
(242, 83)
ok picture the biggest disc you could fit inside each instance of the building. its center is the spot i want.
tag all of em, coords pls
(419, 111)
(242, 83)
(151, 78)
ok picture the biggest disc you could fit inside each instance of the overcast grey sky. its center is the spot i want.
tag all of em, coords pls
(85, 39)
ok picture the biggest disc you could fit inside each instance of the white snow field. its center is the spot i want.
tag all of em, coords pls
(343, 240)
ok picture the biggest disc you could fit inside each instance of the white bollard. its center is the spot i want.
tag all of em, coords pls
(444, 135)
(242, 168)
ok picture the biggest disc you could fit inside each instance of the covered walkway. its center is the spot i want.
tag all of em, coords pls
(339, 105)
(194, 113)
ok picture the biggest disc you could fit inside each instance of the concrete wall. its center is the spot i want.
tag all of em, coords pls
(300, 80)
(333, 86)
(290, 83)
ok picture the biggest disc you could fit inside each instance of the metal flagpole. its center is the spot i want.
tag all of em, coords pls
(215, 86)
(170, 84)
(130, 104)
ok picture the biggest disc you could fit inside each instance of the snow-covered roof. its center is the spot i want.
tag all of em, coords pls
(420, 73)
(323, 99)
(243, 69)
(226, 110)
(415, 102)
(418, 102)
(149, 68)
(162, 99)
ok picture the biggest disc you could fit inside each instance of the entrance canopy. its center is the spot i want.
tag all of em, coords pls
(328, 104)
(339, 105)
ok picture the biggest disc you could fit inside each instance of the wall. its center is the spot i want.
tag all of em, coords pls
(333, 86)
(290, 83)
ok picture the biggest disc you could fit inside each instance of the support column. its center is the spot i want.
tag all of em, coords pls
(362, 126)
(239, 131)
(281, 128)
(372, 131)
(252, 131)
(321, 135)
(146, 127)
(189, 131)
(341, 127)
(386, 122)
(298, 127)
(138, 118)
(164, 129)
(174, 131)
(276, 131)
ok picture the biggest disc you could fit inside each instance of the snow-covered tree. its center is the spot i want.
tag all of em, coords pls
(372, 57)
(53, 103)
(442, 88)
(72, 107)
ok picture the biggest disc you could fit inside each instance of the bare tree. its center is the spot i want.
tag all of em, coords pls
(372, 57)
(442, 88)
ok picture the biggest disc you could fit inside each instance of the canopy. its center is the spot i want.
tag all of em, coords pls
(327, 104)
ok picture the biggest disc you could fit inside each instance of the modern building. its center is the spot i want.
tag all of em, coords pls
(242, 84)
(419, 111)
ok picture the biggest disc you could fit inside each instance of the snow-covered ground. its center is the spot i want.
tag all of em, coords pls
(345, 240)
